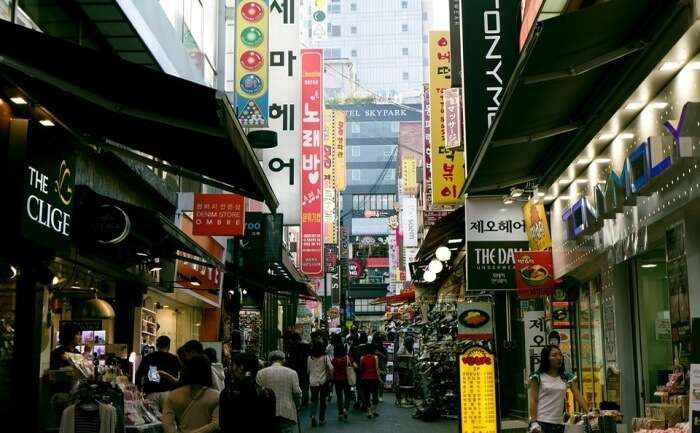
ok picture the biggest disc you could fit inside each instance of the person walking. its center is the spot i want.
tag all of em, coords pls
(369, 368)
(218, 375)
(297, 356)
(158, 372)
(343, 377)
(244, 405)
(547, 392)
(284, 382)
(194, 406)
(320, 373)
(358, 349)
(382, 355)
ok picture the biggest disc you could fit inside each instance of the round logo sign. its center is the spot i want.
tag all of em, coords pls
(319, 16)
(111, 225)
(251, 60)
(252, 12)
(251, 84)
(251, 37)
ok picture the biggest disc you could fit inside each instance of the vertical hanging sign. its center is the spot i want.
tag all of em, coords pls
(281, 163)
(452, 118)
(319, 20)
(311, 257)
(329, 203)
(340, 123)
(447, 164)
(252, 20)
(427, 161)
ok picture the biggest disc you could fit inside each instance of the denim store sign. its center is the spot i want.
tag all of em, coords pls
(643, 170)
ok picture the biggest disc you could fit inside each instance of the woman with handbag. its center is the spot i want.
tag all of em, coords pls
(344, 378)
(547, 392)
(320, 374)
(369, 368)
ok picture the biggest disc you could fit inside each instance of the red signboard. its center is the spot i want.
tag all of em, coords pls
(311, 250)
(218, 215)
(534, 274)
(198, 277)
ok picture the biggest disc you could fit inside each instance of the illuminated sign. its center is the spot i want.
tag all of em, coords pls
(642, 171)
(477, 391)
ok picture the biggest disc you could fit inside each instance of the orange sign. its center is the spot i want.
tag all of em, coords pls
(477, 396)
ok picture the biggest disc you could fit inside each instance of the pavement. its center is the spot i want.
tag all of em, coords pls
(392, 419)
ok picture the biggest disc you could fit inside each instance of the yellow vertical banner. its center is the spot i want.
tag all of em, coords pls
(536, 226)
(447, 164)
(340, 125)
(329, 175)
(409, 177)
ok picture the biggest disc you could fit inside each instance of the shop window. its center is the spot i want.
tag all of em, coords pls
(404, 51)
(404, 28)
(334, 9)
(590, 337)
(334, 31)
(353, 7)
(405, 76)
(353, 53)
(353, 30)
(404, 5)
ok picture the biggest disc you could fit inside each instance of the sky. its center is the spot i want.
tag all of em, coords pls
(441, 10)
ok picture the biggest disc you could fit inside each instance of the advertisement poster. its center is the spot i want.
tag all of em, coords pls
(536, 226)
(495, 232)
(409, 221)
(219, 214)
(252, 62)
(452, 118)
(409, 175)
(282, 163)
(477, 386)
(474, 321)
(319, 20)
(329, 172)
(535, 339)
(311, 249)
(534, 274)
(427, 173)
(447, 165)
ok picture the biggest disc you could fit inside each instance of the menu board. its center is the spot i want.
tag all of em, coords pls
(477, 385)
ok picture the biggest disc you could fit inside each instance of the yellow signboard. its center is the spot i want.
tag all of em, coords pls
(536, 226)
(340, 125)
(447, 164)
(409, 179)
(329, 176)
(477, 391)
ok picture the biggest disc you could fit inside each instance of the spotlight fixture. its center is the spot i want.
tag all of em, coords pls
(602, 160)
(455, 241)
(13, 272)
(443, 254)
(195, 283)
(670, 66)
(564, 181)
(649, 265)
(429, 276)
(516, 192)
(583, 161)
(155, 265)
(507, 199)
(606, 137)
(625, 136)
(633, 106)
(46, 122)
(435, 266)
(19, 100)
(658, 105)
(245, 292)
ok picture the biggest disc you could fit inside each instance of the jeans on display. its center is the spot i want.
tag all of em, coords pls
(371, 389)
(551, 428)
(342, 393)
(319, 393)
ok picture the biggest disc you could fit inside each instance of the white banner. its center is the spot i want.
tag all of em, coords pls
(535, 340)
(282, 164)
(409, 221)
(410, 255)
(492, 220)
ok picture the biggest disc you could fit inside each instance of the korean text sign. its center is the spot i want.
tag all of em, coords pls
(534, 274)
(453, 118)
(218, 215)
(251, 62)
(311, 257)
(447, 165)
(477, 386)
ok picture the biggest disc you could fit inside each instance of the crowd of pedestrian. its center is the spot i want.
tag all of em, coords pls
(195, 393)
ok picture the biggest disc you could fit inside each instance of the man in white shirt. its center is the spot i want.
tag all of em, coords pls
(284, 382)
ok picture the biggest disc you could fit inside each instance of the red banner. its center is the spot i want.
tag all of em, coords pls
(219, 215)
(534, 274)
(198, 277)
(311, 250)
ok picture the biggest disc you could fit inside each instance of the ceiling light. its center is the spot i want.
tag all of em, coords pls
(55, 281)
(503, 209)
(142, 254)
(46, 122)
(649, 265)
(516, 192)
(507, 199)
(670, 66)
(166, 306)
(583, 161)
(632, 106)
(581, 180)
(19, 100)
(606, 136)
(541, 193)
(13, 272)
(155, 266)
(455, 241)
(429, 277)
(658, 105)
(443, 253)
(195, 283)
(231, 292)
(602, 160)
(564, 181)
(197, 324)
(549, 198)
(625, 135)
(695, 65)
(435, 266)
(245, 292)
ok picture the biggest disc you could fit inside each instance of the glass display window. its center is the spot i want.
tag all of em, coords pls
(590, 343)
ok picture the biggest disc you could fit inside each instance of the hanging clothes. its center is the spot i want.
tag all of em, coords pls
(78, 420)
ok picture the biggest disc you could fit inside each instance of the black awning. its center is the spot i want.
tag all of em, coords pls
(575, 72)
(190, 129)
(147, 234)
(451, 226)
(279, 285)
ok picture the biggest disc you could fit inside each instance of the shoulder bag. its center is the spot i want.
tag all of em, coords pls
(350, 372)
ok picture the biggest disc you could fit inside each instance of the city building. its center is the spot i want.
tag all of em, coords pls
(382, 39)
